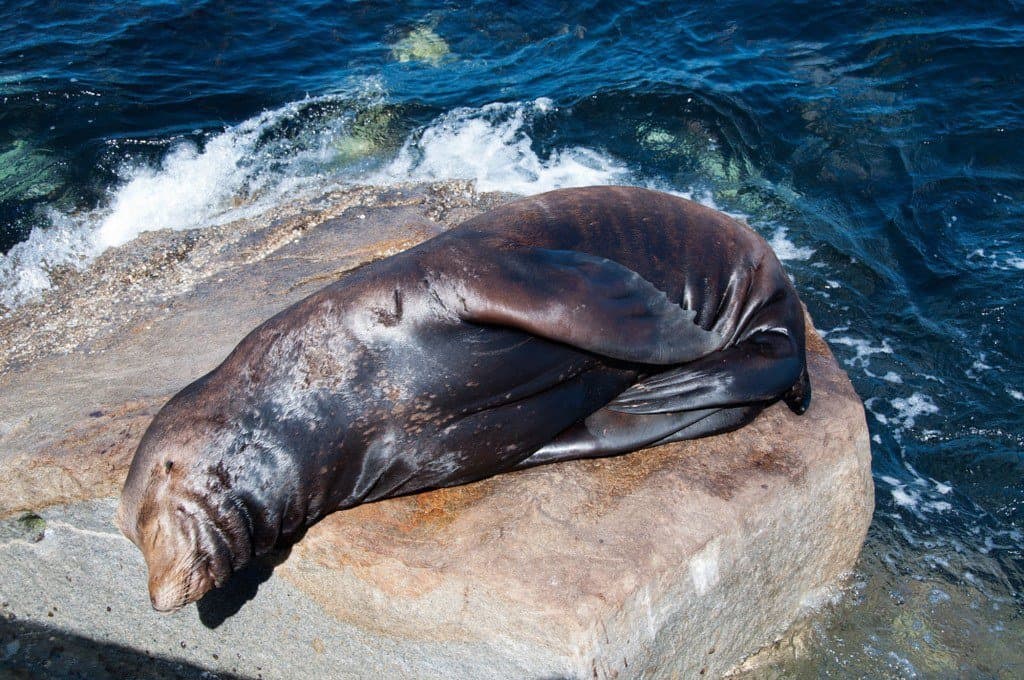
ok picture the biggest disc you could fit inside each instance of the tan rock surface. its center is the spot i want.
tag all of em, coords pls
(671, 562)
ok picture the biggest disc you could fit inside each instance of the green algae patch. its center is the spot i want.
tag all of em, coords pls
(421, 44)
(27, 172)
(33, 527)
(374, 129)
(28, 527)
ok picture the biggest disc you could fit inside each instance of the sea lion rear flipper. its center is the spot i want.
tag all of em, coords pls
(764, 368)
(798, 397)
(585, 301)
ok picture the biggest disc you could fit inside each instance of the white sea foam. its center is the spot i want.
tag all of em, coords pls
(901, 414)
(909, 409)
(997, 258)
(491, 145)
(869, 404)
(785, 249)
(978, 367)
(905, 498)
(918, 495)
(24, 271)
(863, 349)
(190, 188)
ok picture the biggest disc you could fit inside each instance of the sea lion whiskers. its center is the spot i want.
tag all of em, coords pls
(186, 574)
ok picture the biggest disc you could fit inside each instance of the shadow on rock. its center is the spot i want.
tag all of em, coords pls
(220, 604)
(32, 650)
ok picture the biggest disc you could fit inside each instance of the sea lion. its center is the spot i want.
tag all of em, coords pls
(577, 323)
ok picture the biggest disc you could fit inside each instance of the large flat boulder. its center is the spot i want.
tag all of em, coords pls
(676, 561)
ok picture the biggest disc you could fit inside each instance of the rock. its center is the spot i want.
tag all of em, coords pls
(676, 561)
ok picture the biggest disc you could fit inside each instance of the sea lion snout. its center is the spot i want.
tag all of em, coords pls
(177, 576)
(167, 595)
(179, 572)
(172, 589)
(186, 553)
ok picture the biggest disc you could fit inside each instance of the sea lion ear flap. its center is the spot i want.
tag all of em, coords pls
(585, 301)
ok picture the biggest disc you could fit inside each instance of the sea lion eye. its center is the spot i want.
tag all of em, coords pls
(168, 465)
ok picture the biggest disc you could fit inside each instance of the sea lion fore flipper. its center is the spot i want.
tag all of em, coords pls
(607, 433)
(581, 300)
(761, 369)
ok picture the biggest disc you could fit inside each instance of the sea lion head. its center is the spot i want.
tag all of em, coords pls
(180, 569)
(178, 507)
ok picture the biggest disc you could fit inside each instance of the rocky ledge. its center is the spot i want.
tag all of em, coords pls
(677, 561)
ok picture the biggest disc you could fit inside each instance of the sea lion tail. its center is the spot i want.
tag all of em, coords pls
(798, 397)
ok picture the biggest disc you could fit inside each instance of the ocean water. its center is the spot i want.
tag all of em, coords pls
(878, 146)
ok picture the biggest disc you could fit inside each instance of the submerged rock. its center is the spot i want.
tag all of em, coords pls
(680, 560)
(421, 44)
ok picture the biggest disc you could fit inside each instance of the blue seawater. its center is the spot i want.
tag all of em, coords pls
(879, 146)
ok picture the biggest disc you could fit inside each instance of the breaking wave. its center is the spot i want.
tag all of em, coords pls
(296, 150)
